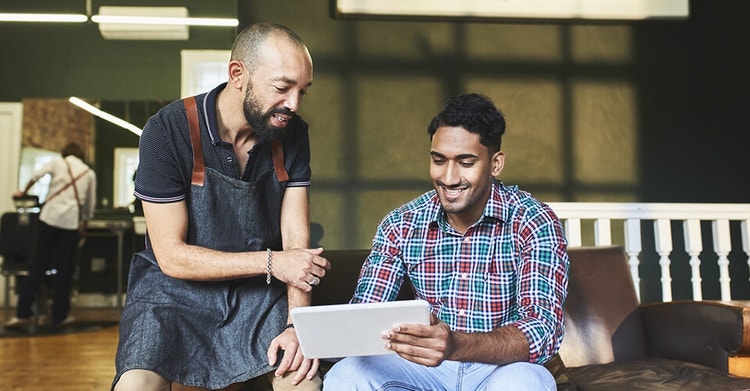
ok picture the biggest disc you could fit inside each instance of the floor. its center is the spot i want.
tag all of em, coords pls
(79, 361)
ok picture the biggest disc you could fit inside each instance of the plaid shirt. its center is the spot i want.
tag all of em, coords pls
(509, 268)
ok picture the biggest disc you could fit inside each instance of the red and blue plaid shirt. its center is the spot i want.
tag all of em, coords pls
(509, 268)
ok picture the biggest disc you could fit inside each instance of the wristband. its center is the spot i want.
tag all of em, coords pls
(289, 326)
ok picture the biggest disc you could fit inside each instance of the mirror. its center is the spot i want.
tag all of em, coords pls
(49, 124)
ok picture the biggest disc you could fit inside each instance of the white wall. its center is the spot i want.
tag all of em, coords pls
(10, 150)
(10, 153)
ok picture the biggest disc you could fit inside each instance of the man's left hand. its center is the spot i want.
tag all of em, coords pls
(293, 360)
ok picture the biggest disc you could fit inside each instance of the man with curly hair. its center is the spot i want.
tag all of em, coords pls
(490, 259)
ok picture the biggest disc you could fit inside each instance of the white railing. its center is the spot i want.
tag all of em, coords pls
(575, 216)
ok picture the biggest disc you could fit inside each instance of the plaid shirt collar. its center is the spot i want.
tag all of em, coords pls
(494, 210)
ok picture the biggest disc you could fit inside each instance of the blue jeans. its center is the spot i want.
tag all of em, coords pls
(391, 372)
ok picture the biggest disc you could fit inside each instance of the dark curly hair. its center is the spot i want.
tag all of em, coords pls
(73, 149)
(477, 114)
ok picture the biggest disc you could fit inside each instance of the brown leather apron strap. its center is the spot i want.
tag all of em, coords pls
(277, 153)
(191, 109)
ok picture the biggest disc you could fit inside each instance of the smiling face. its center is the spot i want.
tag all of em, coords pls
(462, 170)
(276, 87)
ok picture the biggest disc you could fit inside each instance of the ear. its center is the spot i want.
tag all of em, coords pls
(236, 70)
(498, 161)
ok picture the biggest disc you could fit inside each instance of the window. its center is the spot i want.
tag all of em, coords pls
(33, 159)
(126, 163)
(203, 70)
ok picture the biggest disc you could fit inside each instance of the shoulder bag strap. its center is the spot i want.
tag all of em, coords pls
(73, 182)
(74, 179)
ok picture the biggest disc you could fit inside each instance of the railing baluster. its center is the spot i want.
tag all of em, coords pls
(694, 246)
(602, 232)
(722, 246)
(633, 248)
(692, 215)
(573, 232)
(663, 237)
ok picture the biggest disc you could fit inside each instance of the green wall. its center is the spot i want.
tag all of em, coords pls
(596, 111)
(57, 60)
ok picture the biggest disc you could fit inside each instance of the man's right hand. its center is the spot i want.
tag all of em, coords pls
(301, 268)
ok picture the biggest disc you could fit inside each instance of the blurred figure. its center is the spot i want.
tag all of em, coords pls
(69, 206)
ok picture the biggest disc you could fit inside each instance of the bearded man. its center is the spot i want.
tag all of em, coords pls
(223, 178)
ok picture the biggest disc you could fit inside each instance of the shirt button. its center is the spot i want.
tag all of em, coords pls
(465, 276)
(466, 239)
(461, 313)
(229, 159)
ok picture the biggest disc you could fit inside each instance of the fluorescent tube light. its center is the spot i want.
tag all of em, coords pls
(171, 16)
(151, 23)
(113, 19)
(63, 18)
(104, 115)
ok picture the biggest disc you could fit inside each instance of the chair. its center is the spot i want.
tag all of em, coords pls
(17, 241)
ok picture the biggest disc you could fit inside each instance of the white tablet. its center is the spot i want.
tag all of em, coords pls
(343, 330)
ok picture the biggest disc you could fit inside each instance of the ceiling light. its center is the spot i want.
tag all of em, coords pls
(104, 115)
(63, 18)
(114, 19)
(151, 23)
(157, 16)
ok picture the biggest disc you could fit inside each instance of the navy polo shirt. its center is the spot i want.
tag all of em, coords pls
(166, 156)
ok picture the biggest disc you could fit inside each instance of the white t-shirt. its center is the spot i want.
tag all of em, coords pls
(61, 210)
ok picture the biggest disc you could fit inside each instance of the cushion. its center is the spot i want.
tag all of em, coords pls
(654, 374)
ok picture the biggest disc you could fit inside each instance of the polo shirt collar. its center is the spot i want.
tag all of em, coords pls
(209, 109)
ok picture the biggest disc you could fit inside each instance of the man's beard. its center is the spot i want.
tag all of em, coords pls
(261, 122)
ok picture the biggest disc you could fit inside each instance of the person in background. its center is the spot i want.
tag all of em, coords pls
(68, 207)
(223, 178)
(490, 259)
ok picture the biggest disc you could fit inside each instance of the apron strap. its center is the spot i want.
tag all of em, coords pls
(277, 150)
(195, 138)
(277, 153)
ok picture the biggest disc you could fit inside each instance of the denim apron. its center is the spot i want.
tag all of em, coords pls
(210, 334)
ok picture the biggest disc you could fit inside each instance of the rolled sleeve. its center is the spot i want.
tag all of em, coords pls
(543, 287)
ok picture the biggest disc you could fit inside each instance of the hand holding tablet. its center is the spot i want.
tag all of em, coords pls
(343, 330)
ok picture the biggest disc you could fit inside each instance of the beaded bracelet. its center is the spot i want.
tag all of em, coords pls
(289, 326)
(269, 257)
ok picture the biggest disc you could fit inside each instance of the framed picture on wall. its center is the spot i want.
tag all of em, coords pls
(517, 9)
